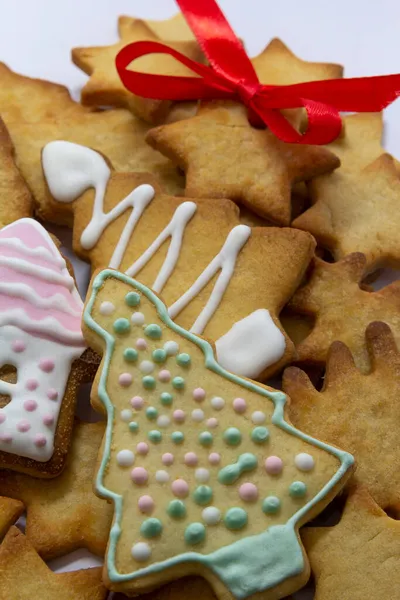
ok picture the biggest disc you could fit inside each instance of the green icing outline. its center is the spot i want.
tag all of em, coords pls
(252, 564)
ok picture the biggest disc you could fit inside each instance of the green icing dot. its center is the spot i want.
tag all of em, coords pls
(151, 413)
(149, 383)
(202, 495)
(235, 518)
(297, 489)
(133, 426)
(151, 528)
(153, 331)
(122, 325)
(183, 359)
(130, 354)
(195, 533)
(245, 462)
(132, 299)
(178, 383)
(205, 438)
(155, 436)
(271, 505)
(166, 399)
(259, 435)
(177, 437)
(176, 509)
(232, 436)
(159, 355)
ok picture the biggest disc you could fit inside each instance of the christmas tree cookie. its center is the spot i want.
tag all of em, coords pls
(205, 474)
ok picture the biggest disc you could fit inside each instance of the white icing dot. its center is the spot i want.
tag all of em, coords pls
(171, 348)
(163, 421)
(211, 515)
(125, 458)
(137, 318)
(107, 308)
(126, 415)
(197, 415)
(202, 475)
(141, 551)
(162, 476)
(258, 417)
(146, 366)
(304, 461)
(217, 403)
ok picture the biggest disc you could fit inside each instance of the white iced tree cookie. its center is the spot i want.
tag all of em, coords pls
(206, 475)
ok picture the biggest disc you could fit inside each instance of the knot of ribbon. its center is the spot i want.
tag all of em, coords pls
(231, 75)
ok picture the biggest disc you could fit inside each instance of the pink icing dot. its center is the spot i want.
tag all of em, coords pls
(212, 423)
(5, 437)
(199, 394)
(30, 405)
(18, 346)
(23, 425)
(146, 504)
(125, 379)
(137, 402)
(239, 405)
(139, 475)
(180, 488)
(273, 465)
(167, 459)
(141, 344)
(214, 458)
(46, 365)
(32, 384)
(164, 376)
(48, 420)
(142, 448)
(52, 394)
(248, 492)
(178, 415)
(2, 417)
(39, 440)
(191, 459)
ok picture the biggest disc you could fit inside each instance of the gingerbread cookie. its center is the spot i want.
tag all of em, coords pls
(209, 268)
(357, 559)
(343, 310)
(63, 514)
(117, 133)
(40, 339)
(205, 474)
(105, 88)
(10, 511)
(169, 30)
(24, 576)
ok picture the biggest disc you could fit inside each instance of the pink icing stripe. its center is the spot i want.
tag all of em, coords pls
(29, 232)
(7, 304)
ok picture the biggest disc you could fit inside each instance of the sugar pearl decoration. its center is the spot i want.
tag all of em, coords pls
(202, 475)
(180, 488)
(125, 458)
(211, 515)
(126, 415)
(30, 405)
(304, 461)
(258, 417)
(239, 405)
(167, 459)
(163, 421)
(197, 415)
(146, 504)
(214, 458)
(171, 348)
(18, 346)
(142, 448)
(137, 318)
(139, 475)
(273, 465)
(162, 476)
(217, 403)
(248, 492)
(39, 440)
(199, 394)
(164, 376)
(141, 344)
(146, 366)
(137, 402)
(106, 308)
(125, 379)
(191, 459)
(46, 365)
(212, 423)
(52, 394)
(141, 551)
(178, 416)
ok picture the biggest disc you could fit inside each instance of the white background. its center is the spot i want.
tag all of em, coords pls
(36, 37)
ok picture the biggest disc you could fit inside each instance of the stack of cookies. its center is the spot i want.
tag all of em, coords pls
(222, 259)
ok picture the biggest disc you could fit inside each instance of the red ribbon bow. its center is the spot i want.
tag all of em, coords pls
(231, 75)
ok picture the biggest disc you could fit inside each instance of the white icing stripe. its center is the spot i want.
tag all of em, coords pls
(175, 230)
(28, 268)
(225, 262)
(22, 290)
(40, 252)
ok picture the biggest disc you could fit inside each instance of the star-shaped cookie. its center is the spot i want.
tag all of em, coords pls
(359, 558)
(174, 29)
(15, 198)
(36, 112)
(342, 310)
(356, 211)
(105, 87)
(24, 576)
(63, 514)
(357, 412)
(10, 511)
